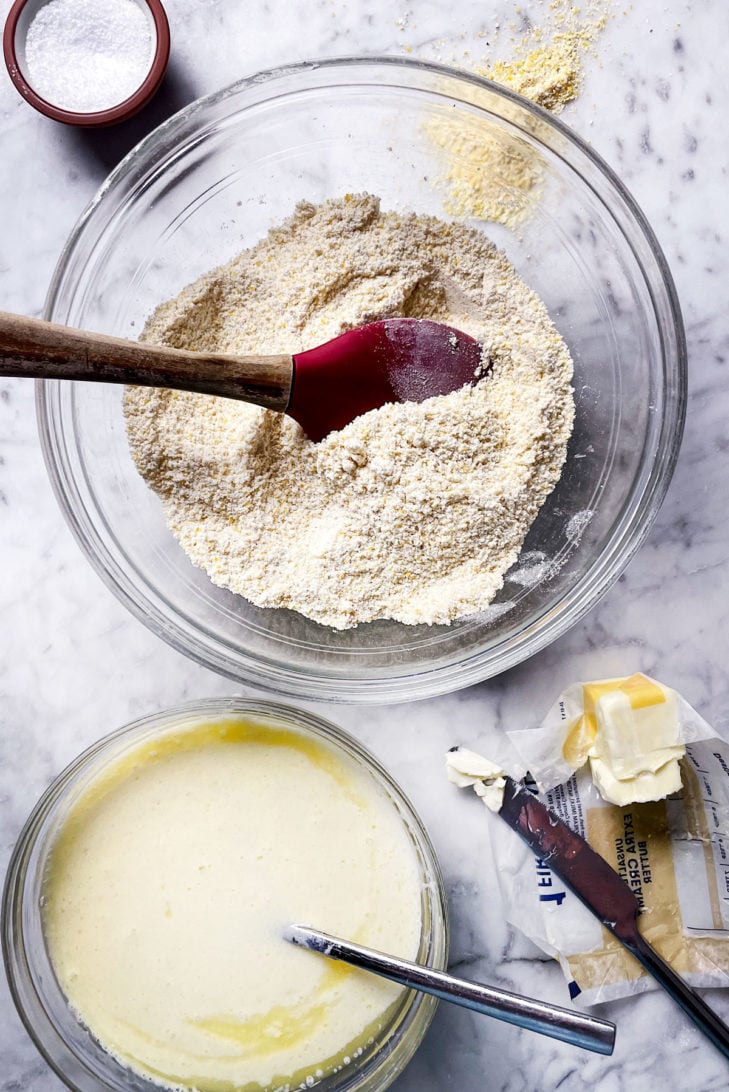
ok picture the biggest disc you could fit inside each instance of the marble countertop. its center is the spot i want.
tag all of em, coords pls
(74, 664)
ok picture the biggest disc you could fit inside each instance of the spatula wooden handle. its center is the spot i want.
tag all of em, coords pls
(34, 349)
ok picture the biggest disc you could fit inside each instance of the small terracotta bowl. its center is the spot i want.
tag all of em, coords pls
(19, 19)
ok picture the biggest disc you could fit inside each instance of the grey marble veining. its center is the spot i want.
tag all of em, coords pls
(74, 663)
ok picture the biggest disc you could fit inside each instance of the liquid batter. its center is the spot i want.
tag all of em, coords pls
(171, 882)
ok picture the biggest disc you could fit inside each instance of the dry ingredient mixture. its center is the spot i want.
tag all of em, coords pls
(88, 55)
(413, 512)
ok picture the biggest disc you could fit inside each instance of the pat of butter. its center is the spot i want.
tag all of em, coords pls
(649, 785)
(467, 769)
(634, 740)
(635, 753)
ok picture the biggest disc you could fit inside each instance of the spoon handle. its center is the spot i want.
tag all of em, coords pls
(34, 349)
(570, 1026)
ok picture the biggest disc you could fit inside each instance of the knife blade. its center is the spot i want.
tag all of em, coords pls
(605, 893)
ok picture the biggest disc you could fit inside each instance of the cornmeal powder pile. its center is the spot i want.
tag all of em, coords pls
(493, 175)
(547, 59)
(412, 512)
(550, 75)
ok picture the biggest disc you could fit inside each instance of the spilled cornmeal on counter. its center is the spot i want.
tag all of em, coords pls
(412, 512)
(170, 884)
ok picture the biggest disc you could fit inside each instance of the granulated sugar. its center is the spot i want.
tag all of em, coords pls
(88, 55)
(413, 511)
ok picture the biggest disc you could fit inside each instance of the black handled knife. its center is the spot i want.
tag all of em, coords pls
(603, 892)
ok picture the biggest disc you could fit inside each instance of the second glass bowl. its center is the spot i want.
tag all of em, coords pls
(212, 181)
(65, 1043)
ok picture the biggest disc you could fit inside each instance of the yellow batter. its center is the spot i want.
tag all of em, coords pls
(171, 882)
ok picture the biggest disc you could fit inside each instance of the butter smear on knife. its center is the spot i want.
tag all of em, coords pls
(467, 769)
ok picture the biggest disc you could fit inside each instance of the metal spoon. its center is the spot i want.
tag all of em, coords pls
(324, 388)
(570, 1026)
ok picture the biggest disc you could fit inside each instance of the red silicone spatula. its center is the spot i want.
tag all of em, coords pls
(395, 360)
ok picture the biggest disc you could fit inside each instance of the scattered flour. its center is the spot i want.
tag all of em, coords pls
(578, 523)
(412, 512)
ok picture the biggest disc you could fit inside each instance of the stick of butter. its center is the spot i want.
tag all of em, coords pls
(631, 731)
(631, 734)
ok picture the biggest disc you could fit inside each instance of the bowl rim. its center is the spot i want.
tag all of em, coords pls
(630, 527)
(414, 1015)
(121, 111)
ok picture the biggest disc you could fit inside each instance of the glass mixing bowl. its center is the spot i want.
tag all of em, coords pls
(211, 181)
(68, 1047)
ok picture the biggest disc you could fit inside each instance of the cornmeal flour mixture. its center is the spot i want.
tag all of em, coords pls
(413, 512)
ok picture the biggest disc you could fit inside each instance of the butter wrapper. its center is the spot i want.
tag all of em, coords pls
(631, 732)
(673, 854)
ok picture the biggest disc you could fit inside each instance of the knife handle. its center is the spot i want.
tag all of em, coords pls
(605, 894)
(689, 1000)
(580, 1029)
